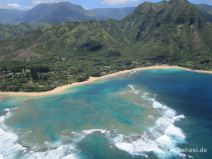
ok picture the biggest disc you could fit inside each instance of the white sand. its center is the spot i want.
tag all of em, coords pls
(93, 79)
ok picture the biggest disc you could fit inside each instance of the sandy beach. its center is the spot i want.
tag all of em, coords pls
(61, 89)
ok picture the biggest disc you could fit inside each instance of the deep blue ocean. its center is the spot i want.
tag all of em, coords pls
(153, 114)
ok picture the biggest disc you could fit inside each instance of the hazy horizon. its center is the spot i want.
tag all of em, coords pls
(90, 4)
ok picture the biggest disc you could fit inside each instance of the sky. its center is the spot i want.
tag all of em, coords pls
(88, 4)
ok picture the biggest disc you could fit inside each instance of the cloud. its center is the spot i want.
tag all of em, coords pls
(46, 1)
(10, 6)
(117, 1)
(121, 2)
(106, 1)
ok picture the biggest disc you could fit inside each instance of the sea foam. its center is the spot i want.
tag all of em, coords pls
(161, 139)
(11, 149)
(91, 131)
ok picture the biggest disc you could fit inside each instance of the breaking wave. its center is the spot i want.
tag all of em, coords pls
(161, 139)
(10, 147)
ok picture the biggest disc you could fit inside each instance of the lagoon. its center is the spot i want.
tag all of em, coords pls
(143, 114)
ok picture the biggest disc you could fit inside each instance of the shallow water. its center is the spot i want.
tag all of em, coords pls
(148, 114)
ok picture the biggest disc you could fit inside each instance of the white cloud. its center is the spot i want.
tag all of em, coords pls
(117, 1)
(10, 6)
(46, 1)
(105, 1)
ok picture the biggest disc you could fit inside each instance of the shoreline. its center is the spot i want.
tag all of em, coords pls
(61, 89)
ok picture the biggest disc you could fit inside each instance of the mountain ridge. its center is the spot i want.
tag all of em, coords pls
(61, 12)
(65, 11)
(57, 13)
(41, 58)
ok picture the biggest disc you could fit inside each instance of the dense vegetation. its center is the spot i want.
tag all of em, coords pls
(39, 58)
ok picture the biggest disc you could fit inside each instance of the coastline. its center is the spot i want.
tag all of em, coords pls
(61, 89)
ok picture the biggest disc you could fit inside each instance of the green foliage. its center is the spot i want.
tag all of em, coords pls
(41, 58)
(92, 45)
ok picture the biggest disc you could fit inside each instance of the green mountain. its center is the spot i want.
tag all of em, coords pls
(170, 31)
(61, 12)
(66, 12)
(38, 58)
(58, 12)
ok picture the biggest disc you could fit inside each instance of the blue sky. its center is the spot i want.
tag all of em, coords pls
(89, 4)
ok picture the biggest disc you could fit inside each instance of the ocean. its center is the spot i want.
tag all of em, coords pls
(153, 114)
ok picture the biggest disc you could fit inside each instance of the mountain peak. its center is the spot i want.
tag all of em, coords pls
(178, 11)
(150, 17)
(179, 2)
(58, 12)
(57, 4)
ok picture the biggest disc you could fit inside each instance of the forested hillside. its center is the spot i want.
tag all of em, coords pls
(41, 57)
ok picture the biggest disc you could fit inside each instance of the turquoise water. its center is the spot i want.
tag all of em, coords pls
(157, 114)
